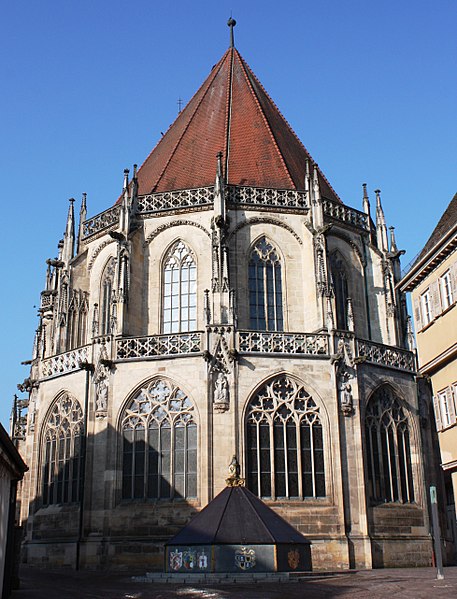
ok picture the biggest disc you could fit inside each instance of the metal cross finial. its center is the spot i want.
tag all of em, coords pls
(231, 23)
(179, 104)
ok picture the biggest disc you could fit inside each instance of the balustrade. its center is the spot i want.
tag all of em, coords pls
(65, 363)
(284, 343)
(386, 355)
(158, 345)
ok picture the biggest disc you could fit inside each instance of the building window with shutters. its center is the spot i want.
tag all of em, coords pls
(285, 442)
(159, 452)
(388, 449)
(61, 452)
(446, 290)
(265, 288)
(445, 407)
(426, 308)
(179, 313)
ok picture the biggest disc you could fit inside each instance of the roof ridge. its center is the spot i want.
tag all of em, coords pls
(228, 114)
(208, 81)
(244, 65)
(247, 497)
(287, 123)
(223, 511)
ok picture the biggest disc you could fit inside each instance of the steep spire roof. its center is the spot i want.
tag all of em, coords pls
(230, 113)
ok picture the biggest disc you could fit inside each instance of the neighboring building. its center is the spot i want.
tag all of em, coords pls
(432, 282)
(12, 470)
(228, 303)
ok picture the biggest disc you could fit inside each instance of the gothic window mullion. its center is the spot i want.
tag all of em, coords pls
(382, 469)
(286, 468)
(272, 461)
(313, 467)
(259, 473)
(299, 460)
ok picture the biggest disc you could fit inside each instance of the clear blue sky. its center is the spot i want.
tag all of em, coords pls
(87, 87)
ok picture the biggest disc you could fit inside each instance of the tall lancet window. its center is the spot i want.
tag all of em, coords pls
(159, 444)
(106, 296)
(285, 445)
(61, 452)
(179, 290)
(265, 288)
(340, 288)
(388, 449)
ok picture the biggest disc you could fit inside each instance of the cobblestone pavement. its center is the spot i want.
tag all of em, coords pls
(420, 583)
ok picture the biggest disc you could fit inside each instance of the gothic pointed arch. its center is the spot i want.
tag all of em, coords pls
(265, 287)
(284, 441)
(159, 443)
(61, 460)
(340, 277)
(106, 295)
(179, 289)
(388, 441)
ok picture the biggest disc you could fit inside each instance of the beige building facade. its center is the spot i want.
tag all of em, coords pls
(432, 282)
(229, 303)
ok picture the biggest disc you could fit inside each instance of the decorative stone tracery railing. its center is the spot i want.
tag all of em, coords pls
(344, 214)
(101, 221)
(158, 345)
(279, 198)
(310, 344)
(65, 363)
(175, 200)
(386, 355)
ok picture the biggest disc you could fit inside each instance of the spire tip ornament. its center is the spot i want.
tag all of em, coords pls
(231, 23)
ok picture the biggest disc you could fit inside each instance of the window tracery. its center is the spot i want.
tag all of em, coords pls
(106, 296)
(62, 456)
(340, 288)
(285, 446)
(388, 448)
(179, 290)
(265, 288)
(159, 444)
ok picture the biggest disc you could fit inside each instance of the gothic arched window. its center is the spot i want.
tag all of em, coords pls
(62, 457)
(77, 319)
(388, 448)
(265, 288)
(285, 445)
(106, 296)
(159, 444)
(179, 290)
(340, 288)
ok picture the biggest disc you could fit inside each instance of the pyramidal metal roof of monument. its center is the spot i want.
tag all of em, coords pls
(237, 517)
(233, 114)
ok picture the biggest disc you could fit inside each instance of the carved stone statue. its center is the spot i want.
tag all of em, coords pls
(221, 393)
(101, 401)
(346, 399)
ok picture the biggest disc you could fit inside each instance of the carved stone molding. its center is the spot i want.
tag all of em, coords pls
(264, 220)
(175, 223)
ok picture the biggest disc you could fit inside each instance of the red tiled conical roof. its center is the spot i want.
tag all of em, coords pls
(230, 113)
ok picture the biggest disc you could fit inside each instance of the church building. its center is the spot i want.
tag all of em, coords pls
(227, 303)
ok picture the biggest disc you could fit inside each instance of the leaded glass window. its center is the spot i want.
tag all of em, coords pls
(265, 288)
(106, 296)
(62, 457)
(285, 445)
(340, 288)
(159, 444)
(179, 290)
(388, 449)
